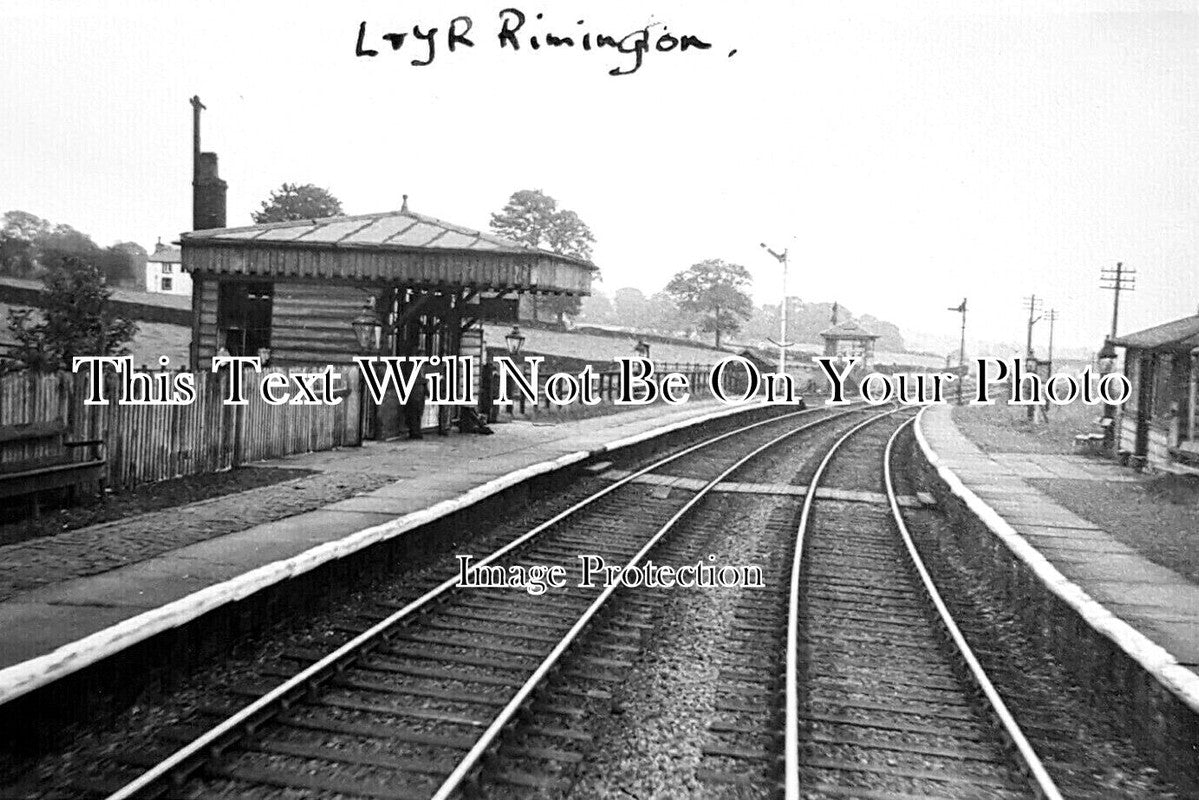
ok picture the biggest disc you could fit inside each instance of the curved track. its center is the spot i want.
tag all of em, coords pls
(410, 706)
(880, 695)
(883, 695)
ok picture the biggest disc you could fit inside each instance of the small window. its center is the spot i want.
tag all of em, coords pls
(244, 317)
(166, 269)
(166, 284)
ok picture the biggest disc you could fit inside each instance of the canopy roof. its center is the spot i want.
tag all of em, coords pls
(849, 329)
(393, 246)
(1181, 334)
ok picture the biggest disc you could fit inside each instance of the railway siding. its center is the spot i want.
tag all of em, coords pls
(1051, 564)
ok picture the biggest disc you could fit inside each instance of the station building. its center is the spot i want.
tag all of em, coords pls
(291, 292)
(294, 289)
(1159, 424)
(849, 339)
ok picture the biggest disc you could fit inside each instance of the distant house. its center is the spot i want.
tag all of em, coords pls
(1159, 423)
(163, 271)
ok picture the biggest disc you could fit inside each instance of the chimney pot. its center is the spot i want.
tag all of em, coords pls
(404, 208)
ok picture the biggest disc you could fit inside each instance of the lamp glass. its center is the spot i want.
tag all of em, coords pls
(367, 329)
(515, 340)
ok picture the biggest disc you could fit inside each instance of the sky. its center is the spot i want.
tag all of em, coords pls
(906, 155)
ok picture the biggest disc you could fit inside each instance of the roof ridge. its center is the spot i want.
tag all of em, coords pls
(256, 232)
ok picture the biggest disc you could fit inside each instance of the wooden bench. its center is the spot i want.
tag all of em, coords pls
(55, 466)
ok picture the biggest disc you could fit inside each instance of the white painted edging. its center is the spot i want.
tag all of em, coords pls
(22, 678)
(1153, 658)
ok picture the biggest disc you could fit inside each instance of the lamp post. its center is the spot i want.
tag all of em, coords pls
(368, 330)
(961, 309)
(515, 341)
(782, 342)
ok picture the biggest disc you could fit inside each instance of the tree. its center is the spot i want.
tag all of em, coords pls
(596, 308)
(569, 236)
(532, 218)
(525, 219)
(630, 307)
(77, 320)
(292, 202)
(716, 291)
(124, 263)
(665, 316)
(19, 237)
(30, 245)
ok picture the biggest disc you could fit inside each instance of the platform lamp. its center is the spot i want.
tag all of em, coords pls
(641, 348)
(368, 330)
(515, 341)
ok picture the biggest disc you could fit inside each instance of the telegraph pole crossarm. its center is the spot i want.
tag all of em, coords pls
(1117, 279)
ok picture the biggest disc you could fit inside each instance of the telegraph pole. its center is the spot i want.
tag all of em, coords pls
(782, 342)
(961, 309)
(1117, 279)
(1052, 317)
(1034, 305)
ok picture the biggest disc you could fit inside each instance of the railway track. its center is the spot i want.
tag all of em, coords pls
(883, 692)
(415, 704)
(843, 677)
(881, 695)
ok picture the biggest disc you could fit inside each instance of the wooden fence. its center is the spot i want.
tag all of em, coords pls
(147, 443)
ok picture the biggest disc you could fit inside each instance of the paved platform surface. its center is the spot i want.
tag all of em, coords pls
(101, 588)
(1158, 602)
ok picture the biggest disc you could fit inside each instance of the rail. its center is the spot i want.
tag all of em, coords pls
(1029, 759)
(186, 759)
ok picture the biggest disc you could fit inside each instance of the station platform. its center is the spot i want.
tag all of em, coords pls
(1150, 612)
(79, 615)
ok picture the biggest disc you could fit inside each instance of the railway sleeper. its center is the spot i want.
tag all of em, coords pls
(323, 723)
(484, 662)
(963, 752)
(915, 775)
(431, 715)
(813, 718)
(288, 779)
(434, 693)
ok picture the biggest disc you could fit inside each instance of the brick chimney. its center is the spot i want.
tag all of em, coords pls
(208, 194)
